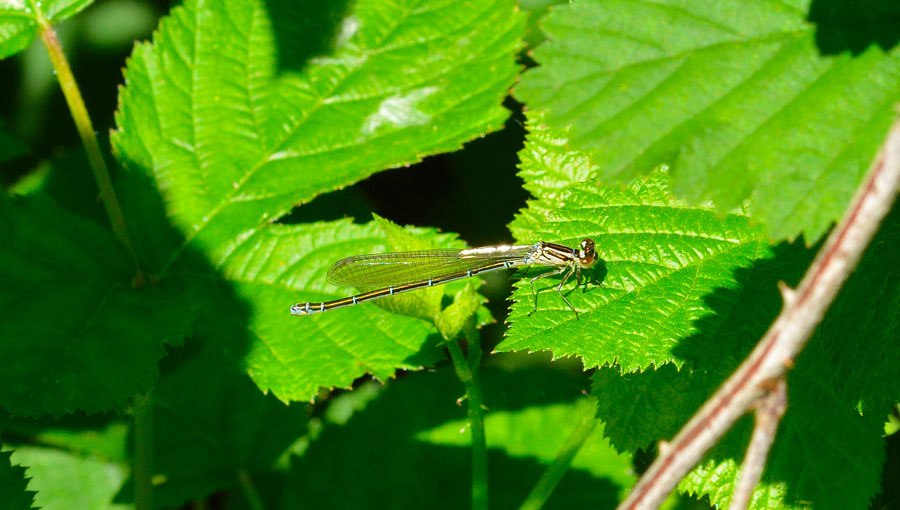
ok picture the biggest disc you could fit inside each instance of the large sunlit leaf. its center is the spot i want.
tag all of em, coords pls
(240, 110)
(294, 356)
(236, 125)
(76, 333)
(19, 20)
(782, 102)
(660, 262)
(664, 348)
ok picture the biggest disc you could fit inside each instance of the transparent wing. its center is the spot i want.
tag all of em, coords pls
(385, 269)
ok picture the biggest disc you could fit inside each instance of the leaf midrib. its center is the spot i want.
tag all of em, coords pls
(286, 135)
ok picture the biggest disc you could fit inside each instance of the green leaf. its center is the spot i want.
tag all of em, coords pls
(782, 102)
(19, 20)
(548, 163)
(65, 480)
(96, 435)
(453, 319)
(235, 133)
(838, 395)
(536, 9)
(890, 492)
(426, 303)
(13, 485)
(660, 260)
(76, 333)
(416, 421)
(227, 125)
(76, 461)
(666, 394)
(295, 356)
(701, 330)
(535, 432)
(211, 424)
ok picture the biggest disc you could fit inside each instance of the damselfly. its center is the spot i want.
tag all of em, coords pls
(411, 270)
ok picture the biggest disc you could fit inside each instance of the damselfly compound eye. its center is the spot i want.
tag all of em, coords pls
(588, 256)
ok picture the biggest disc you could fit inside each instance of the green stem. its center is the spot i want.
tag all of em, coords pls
(467, 371)
(554, 473)
(86, 131)
(142, 468)
(250, 491)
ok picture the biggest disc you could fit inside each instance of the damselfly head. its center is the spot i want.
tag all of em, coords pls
(586, 255)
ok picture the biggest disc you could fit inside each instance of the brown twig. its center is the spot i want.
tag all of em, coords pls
(773, 356)
(769, 411)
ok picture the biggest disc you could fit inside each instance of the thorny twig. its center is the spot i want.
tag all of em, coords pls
(773, 356)
(769, 411)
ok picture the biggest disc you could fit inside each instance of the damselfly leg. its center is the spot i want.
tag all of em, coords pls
(565, 277)
(567, 272)
(538, 277)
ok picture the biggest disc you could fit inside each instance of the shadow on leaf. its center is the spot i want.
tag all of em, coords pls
(843, 26)
(394, 454)
(307, 29)
(830, 438)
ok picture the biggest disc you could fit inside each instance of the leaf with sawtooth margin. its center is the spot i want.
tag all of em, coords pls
(829, 448)
(13, 485)
(782, 102)
(232, 125)
(294, 356)
(71, 479)
(235, 134)
(659, 260)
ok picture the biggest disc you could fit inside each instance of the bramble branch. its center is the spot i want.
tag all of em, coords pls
(773, 356)
(769, 411)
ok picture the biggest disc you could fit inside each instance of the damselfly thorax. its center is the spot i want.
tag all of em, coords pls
(405, 271)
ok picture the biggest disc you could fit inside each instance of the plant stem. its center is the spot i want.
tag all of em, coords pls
(86, 131)
(467, 371)
(250, 492)
(774, 354)
(769, 412)
(142, 466)
(542, 490)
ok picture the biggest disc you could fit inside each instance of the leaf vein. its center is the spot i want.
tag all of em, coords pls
(285, 137)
